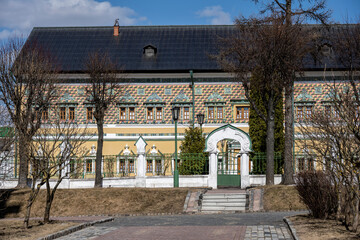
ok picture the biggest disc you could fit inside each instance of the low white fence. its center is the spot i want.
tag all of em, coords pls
(200, 181)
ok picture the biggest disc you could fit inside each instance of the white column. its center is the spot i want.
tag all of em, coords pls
(212, 180)
(117, 164)
(153, 166)
(245, 177)
(141, 162)
(102, 165)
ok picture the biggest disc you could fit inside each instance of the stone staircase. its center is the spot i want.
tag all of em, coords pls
(215, 202)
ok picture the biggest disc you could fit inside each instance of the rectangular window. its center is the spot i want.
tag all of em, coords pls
(89, 165)
(63, 113)
(186, 113)
(219, 113)
(310, 164)
(89, 114)
(149, 166)
(149, 115)
(131, 166)
(122, 166)
(327, 109)
(71, 113)
(210, 112)
(132, 113)
(45, 115)
(72, 166)
(299, 113)
(308, 112)
(301, 164)
(242, 113)
(158, 113)
(158, 167)
(122, 113)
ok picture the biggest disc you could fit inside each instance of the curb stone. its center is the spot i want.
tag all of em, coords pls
(74, 229)
(187, 201)
(291, 228)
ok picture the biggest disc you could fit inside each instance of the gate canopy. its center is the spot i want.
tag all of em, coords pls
(228, 132)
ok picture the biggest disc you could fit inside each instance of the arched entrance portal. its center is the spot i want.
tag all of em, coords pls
(216, 171)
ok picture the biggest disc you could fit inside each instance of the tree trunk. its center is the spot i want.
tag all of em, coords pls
(98, 161)
(34, 192)
(270, 142)
(23, 161)
(48, 202)
(355, 221)
(288, 145)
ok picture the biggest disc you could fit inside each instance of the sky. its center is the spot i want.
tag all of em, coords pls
(18, 17)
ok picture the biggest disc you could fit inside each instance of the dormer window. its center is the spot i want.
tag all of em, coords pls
(149, 51)
(326, 50)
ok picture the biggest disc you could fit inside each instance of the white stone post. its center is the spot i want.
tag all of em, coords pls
(65, 154)
(245, 177)
(212, 180)
(141, 162)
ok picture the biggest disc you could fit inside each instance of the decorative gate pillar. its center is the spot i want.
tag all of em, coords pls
(141, 162)
(245, 177)
(213, 162)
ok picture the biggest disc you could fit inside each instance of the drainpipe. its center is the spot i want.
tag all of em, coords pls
(193, 98)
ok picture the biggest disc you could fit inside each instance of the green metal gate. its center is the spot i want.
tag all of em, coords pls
(229, 169)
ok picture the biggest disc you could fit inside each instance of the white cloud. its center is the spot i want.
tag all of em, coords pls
(23, 15)
(216, 14)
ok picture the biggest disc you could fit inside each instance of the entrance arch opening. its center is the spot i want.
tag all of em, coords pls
(229, 168)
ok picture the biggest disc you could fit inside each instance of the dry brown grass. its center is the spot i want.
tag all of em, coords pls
(282, 198)
(13, 229)
(105, 201)
(308, 228)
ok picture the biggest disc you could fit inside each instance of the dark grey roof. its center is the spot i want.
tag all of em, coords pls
(179, 48)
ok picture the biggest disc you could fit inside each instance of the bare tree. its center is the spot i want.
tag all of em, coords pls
(56, 152)
(263, 47)
(7, 142)
(102, 91)
(333, 132)
(332, 135)
(26, 87)
(293, 9)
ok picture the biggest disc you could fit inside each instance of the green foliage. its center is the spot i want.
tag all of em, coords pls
(193, 164)
(257, 127)
(193, 159)
(194, 141)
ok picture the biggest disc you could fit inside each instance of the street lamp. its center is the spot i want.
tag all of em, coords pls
(200, 117)
(175, 114)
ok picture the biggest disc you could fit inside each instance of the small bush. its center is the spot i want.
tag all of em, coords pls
(318, 193)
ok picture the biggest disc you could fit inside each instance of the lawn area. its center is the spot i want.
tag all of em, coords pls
(286, 198)
(103, 201)
(75, 202)
(282, 198)
(13, 229)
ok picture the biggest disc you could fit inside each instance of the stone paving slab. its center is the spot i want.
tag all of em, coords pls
(249, 226)
(261, 232)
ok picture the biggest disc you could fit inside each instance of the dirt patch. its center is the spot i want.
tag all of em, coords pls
(308, 228)
(105, 201)
(282, 198)
(13, 229)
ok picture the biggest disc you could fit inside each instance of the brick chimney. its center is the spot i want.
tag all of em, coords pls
(116, 27)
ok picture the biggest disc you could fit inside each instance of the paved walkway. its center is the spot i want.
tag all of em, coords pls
(248, 226)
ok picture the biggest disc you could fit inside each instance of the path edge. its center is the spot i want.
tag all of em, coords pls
(291, 228)
(74, 229)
